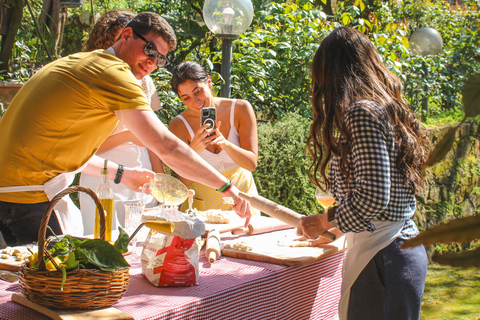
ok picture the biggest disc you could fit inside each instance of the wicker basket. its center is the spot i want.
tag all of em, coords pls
(84, 288)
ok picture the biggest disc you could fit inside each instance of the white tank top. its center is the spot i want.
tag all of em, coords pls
(220, 161)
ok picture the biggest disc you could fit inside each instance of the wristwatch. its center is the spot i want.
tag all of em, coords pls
(331, 215)
(118, 176)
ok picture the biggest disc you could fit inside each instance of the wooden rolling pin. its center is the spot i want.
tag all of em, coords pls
(212, 248)
(278, 212)
(259, 224)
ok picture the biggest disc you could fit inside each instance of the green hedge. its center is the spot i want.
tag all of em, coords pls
(282, 171)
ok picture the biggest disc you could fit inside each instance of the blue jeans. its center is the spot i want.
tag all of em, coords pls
(20, 222)
(391, 286)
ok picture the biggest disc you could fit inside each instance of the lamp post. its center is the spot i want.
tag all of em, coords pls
(425, 42)
(228, 19)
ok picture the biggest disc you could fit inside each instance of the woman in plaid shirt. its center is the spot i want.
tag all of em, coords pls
(368, 149)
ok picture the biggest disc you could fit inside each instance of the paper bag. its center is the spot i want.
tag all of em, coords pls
(171, 259)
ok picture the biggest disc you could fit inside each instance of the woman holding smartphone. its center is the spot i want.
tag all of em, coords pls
(231, 147)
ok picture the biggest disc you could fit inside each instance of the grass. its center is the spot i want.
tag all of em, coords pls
(451, 293)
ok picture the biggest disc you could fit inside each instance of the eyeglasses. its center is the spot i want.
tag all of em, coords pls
(151, 51)
(121, 21)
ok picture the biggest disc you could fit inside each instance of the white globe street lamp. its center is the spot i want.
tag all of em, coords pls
(228, 19)
(425, 42)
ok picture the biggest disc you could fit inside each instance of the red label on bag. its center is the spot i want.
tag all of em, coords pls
(177, 268)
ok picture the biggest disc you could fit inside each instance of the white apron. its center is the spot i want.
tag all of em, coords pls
(362, 247)
(129, 155)
(68, 215)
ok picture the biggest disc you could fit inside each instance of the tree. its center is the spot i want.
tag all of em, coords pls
(8, 40)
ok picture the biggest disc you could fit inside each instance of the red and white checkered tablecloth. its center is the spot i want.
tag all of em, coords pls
(229, 289)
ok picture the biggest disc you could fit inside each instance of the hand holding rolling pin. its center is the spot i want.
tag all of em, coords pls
(314, 226)
(287, 215)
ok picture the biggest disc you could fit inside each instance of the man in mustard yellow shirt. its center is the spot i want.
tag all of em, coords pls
(65, 111)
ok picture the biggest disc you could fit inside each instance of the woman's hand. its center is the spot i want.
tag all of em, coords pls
(201, 139)
(242, 207)
(321, 241)
(220, 139)
(312, 227)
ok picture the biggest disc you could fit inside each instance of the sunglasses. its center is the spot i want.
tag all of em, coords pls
(151, 51)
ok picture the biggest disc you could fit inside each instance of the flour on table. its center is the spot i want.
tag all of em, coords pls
(293, 243)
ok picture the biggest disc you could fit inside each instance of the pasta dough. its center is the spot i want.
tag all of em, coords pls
(217, 216)
(239, 245)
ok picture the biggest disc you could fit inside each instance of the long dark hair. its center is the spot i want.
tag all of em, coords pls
(347, 69)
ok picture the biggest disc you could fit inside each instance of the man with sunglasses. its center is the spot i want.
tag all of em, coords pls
(59, 118)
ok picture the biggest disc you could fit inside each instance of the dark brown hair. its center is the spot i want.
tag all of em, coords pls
(146, 22)
(185, 71)
(105, 31)
(347, 69)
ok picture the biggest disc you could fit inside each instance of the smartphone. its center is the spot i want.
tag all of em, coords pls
(208, 116)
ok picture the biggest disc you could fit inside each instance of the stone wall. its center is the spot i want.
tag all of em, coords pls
(452, 187)
(7, 91)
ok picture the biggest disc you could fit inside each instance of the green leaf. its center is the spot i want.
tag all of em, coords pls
(362, 5)
(122, 241)
(71, 262)
(346, 18)
(464, 259)
(442, 147)
(307, 6)
(471, 96)
(101, 254)
(457, 230)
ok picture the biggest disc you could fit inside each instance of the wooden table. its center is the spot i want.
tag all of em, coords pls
(230, 288)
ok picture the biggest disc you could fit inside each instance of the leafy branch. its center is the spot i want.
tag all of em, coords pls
(462, 229)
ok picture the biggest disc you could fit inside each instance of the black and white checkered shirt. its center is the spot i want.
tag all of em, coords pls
(377, 188)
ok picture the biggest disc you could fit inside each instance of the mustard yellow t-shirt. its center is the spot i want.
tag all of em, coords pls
(60, 117)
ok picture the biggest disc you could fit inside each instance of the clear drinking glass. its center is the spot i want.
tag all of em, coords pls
(133, 218)
(325, 198)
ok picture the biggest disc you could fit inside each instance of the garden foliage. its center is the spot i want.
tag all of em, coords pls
(271, 61)
(281, 145)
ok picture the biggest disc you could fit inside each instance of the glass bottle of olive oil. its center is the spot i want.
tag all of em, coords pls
(105, 194)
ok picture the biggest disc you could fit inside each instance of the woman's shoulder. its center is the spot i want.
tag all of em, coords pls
(177, 119)
(366, 109)
(228, 103)
(242, 103)
(178, 127)
(366, 113)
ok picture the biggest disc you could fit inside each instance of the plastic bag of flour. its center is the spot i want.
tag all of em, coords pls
(173, 259)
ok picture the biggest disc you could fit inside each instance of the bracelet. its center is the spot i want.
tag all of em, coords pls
(230, 187)
(226, 186)
(119, 174)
